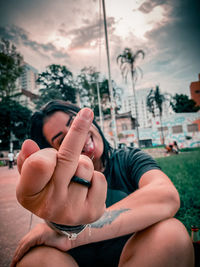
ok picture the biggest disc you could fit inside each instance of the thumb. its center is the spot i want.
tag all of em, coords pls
(28, 148)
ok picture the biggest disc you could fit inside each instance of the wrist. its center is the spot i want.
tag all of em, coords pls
(72, 232)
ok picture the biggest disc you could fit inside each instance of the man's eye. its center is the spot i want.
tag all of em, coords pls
(70, 121)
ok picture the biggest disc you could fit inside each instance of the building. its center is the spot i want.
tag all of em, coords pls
(27, 86)
(27, 99)
(145, 118)
(184, 128)
(124, 122)
(27, 80)
(195, 91)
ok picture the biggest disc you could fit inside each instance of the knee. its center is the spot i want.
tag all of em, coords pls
(33, 257)
(172, 233)
(166, 241)
(43, 256)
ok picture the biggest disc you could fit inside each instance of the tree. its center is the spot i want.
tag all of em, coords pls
(181, 103)
(87, 86)
(127, 61)
(87, 82)
(13, 116)
(57, 83)
(10, 69)
(155, 100)
(14, 123)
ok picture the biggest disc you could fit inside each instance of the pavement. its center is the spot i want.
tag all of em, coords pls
(15, 221)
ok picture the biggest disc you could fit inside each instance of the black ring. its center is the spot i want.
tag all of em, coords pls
(82, 181)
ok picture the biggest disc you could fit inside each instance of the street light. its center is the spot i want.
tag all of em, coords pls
(113, 120)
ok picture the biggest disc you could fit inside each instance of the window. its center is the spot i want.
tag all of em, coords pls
(124, 127)
(165, 128)
(177, 129)
(192, 127)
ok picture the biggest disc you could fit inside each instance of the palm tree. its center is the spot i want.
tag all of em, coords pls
(127, 61)
(155, 100)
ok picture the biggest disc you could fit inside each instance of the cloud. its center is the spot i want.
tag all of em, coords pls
(20, 37)
(83, 36)
(149, 5)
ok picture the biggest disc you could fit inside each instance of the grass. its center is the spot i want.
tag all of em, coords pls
(184, 171)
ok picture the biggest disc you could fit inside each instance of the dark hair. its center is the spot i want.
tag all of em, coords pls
(37, 122)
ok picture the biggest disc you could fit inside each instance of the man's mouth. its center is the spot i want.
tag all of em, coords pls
(89, 147)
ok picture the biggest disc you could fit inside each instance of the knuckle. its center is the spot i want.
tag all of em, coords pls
(78, 127)
(66, 155)
(38, 163)
(100, 180)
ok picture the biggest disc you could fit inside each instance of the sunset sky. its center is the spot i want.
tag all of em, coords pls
(67, 32)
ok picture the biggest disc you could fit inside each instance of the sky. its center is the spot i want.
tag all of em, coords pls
(71, 33)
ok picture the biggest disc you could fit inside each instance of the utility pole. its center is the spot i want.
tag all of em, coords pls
(100, 109)
(112, 108)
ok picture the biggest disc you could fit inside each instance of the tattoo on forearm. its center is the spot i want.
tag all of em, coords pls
(108, 217)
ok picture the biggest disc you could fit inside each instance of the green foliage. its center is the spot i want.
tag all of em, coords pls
(10, 68)
(87, 86)
(127, 61)
(87, 82)
(184, 171)
(155, 100)
(56, 83)
(181, 103)
(14, 119)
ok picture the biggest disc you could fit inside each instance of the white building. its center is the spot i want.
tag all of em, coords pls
(184, 128)
(27, 85)
(27, 80)
(145, 118)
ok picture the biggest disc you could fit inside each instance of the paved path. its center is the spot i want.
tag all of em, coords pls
(14, 219)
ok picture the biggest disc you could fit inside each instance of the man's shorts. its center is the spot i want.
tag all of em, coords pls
(105, 253)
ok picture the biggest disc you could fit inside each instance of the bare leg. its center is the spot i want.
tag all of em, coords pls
(43, 256)
(165, 244)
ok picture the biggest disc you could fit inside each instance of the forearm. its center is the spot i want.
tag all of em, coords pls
(139, 210)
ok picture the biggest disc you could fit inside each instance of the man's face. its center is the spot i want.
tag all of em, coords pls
(57, 126)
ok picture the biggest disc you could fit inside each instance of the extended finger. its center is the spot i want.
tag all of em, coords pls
(73, 143)
(29, 147)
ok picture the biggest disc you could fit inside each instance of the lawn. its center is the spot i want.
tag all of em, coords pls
(184, 171)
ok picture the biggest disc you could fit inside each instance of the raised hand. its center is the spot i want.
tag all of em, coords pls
(45, 186)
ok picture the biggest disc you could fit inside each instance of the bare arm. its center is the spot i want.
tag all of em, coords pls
(155, 200)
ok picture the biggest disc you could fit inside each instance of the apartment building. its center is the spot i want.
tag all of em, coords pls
(195, 91)
(145, 118)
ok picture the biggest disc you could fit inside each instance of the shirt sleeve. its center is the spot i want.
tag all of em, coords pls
(139, 162)
(126, 167)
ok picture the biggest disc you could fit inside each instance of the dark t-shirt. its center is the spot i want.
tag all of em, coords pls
(124, 170)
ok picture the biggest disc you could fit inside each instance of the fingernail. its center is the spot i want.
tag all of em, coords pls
(86, 114)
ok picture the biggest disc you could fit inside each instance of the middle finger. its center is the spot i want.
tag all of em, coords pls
(72, 145)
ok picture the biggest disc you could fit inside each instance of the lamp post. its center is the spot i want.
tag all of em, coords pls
(112, 108)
